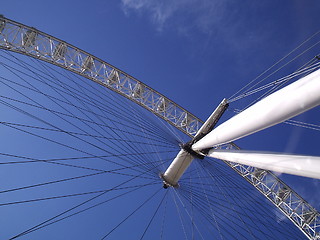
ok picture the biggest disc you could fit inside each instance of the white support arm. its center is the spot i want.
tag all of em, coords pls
(284, 104)
(307, 166)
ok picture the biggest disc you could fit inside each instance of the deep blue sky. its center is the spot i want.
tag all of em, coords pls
(179, 48)
(194, 52)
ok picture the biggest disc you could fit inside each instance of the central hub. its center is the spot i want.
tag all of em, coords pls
(186, 155)
(179, 165)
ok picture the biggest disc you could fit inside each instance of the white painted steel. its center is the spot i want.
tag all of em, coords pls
(32, 42)
(178, 166)
(306, 166)
(183, 160)
(284, 104)
(213, 119)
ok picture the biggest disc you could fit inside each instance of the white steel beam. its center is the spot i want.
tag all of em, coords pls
(211, 122)
(307, 166)
(282, 196)
(284, 104)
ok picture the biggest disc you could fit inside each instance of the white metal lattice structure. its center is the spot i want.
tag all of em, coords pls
(31, 42)
(301, 213)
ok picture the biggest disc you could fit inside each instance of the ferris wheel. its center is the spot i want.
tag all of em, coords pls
(112, 158)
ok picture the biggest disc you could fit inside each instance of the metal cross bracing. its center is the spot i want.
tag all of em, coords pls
(301, 213)
(29, 41)
(34, 43)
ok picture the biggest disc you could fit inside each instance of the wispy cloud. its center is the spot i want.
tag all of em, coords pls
(182, 14)
(205, 21)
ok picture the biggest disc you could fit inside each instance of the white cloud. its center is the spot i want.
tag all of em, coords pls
(181, 14)
(207, 23)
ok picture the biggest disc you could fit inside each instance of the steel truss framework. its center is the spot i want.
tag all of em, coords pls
(29, 41)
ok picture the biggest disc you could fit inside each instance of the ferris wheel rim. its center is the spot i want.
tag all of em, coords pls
(154, 101)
